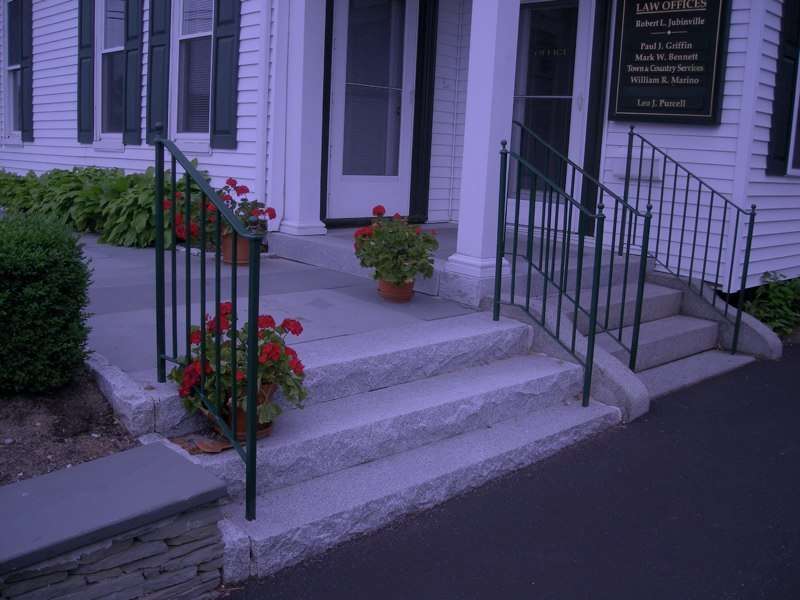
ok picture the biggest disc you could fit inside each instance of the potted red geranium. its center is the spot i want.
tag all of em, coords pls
(397, 251)
(279, 367)
(253, 214)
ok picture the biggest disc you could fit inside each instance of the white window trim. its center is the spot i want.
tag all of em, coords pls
(9, 135)
(790, 169)
(196, 143)
(103, 142)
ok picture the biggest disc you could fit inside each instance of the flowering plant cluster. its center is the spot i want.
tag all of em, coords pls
(396, 250)
(252, 213)
(278, 363)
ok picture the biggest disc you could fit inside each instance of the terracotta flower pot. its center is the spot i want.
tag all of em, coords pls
(265, 395)
(242, 249)
(396, 293)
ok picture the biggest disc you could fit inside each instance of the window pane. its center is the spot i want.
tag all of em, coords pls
(113, 78)
(14, 30)
(375, 42)
(371, 130)
(550, 119)
(14, 90)
(197, 16)
(194, 85)
(114, 36)
(546, 49)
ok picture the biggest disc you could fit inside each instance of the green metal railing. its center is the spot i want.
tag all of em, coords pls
(547, 264)
(205, 203)
(620, 269)
(698, 229)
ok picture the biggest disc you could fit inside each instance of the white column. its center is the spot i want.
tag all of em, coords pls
(490, 91)
(304, 98)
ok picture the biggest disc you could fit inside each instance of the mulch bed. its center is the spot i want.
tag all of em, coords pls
(46, 432)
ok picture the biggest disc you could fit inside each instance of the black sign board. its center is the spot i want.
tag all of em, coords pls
(669, 61)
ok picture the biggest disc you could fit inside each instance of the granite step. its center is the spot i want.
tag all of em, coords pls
(331, 436)
(680, 374)
(659, 302)
(665, 340)
(347, 365)
(303, 520)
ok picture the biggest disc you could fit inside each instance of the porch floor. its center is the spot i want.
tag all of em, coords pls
(329, 303)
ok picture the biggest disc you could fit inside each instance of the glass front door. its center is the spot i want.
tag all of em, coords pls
(372, 102)
(543, 91)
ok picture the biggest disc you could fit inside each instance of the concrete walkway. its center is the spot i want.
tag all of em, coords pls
(328, 303)
(696, 500)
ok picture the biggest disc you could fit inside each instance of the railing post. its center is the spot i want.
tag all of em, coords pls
(743, 286)
(501, 231)
(626, 192)
(598, 259)
(637, 314)
(161, 348)
(252, 378)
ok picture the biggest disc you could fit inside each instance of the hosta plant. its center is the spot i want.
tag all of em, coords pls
(395, 249)
(278, 366)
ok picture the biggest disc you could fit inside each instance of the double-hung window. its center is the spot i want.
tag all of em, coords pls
(793, 162)
(110, 63)
(195, 25)
(13, 74)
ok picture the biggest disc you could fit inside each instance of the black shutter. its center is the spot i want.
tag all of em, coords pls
(158, 69)
(26, 70)
(132, 132)
(785, 78)
(225, 73)
(85, 71)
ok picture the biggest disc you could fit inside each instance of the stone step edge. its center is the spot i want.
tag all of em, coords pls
(542, 382)
(684, 378)
(249, 552)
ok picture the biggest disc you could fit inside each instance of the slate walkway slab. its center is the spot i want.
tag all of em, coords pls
(329, 303)
(696, 500)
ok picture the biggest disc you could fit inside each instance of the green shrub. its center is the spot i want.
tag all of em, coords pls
(18, 192)
(777, 303)
(43, 298)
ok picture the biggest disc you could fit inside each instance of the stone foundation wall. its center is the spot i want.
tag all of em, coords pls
(179, 557)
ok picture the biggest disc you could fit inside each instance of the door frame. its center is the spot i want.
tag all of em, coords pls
(422, 126)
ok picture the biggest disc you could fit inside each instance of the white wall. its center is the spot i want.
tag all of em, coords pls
(776, 244)
(449, 106)
(55, 51)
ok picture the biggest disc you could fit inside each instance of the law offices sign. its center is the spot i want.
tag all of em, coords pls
(669, 61)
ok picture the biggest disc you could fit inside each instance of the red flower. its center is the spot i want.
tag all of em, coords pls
(241, 189)
(266, 321)
(378, 210)
(290, 352)
(231, 182)
(271, 351)
(292, 326)
(296, 366)
(179, 195)
(194, 337)
(179, 219)
(224, 324)
(396, 216)
(255, 212)
(271, 213)
(194, 229)
(180, 231)
(227, 198)
(210, 207)
(239, 375)
(167, 204)
(365, 231)
(225, 308)
(418, 230)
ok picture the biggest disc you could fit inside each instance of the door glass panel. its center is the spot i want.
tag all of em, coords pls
(543, 87)
(373, 87)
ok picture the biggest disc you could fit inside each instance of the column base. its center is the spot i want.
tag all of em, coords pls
(295, 228)
(470, 280)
